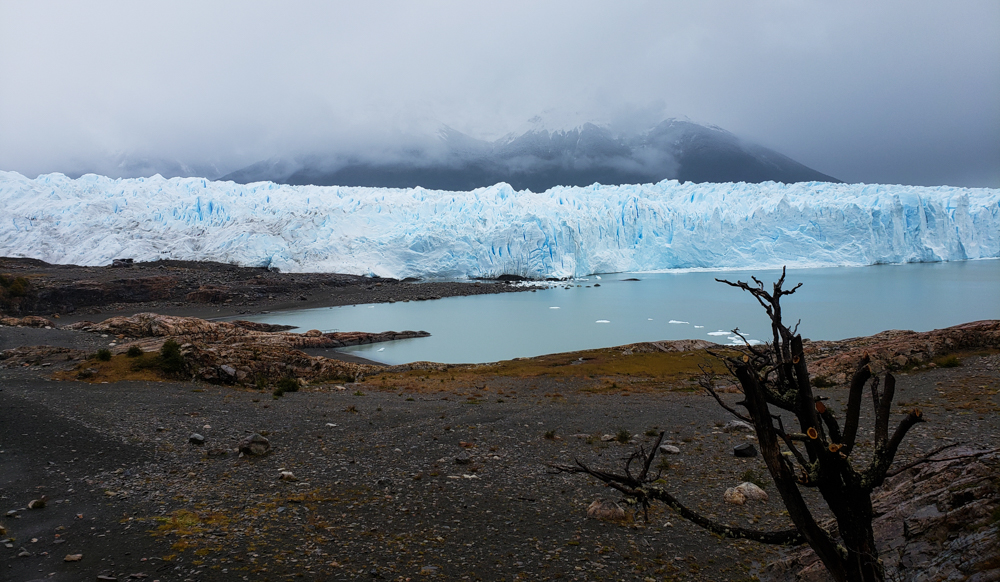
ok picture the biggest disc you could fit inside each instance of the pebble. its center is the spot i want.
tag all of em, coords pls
(669, 450)
(73, 558)
(745, 450)
(196, 439)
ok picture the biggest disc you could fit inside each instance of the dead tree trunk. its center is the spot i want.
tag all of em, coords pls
(817, 455)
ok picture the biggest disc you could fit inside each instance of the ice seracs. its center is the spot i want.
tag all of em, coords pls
(563, 232)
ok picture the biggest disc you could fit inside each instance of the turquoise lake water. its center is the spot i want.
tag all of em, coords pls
(833, 303)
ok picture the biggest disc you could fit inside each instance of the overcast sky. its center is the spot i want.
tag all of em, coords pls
(892, 92)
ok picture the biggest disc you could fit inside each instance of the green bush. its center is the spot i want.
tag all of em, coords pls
(948, 362)
(134, 352)
(822, 382)
(171, 360)
(286, 385)
(104, 355)
(14, 286)
(758, 478)
(623, 436)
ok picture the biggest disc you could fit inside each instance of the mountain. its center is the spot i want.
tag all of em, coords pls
(539, 159)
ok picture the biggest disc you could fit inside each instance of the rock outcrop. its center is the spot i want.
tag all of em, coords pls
(936, 521)
(835, 361)
(241, 352)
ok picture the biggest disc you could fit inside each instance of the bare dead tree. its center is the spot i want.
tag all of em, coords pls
(817, 455)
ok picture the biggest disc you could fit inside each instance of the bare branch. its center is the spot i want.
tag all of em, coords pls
(861, 376)
(884, 410)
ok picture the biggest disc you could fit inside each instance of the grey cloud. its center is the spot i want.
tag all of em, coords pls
(876, 92)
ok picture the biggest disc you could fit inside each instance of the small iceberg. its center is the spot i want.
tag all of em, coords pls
(675, 321)
(602, 321)
(553, 308)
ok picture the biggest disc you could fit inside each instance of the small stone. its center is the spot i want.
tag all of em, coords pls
(23, 553)
(605, 510)
(669, 450)
(73, 558)
(745, 450)
(196, 439)
(228, 370)
(287, 476)
(160, 429)
(607, 438)
(12, 513)
(106, 578)
(752, 492)
(737, 426)
(36, 503)
(734, 496)
(463, 459)
(254, 445)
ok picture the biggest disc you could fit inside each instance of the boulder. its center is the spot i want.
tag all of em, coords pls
(745, 450)
(752, 492)
(669, 450)
(196, 439)
(254, 445)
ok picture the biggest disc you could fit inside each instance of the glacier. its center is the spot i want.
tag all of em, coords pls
(560, 233)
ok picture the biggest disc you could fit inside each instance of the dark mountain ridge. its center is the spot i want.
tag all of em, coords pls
(540, 159)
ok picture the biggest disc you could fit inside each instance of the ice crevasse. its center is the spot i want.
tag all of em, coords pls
(563, 232)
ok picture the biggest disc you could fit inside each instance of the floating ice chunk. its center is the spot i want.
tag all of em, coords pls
(720, 332)
(675, 321)
(598, 277)
(371, 307)
(602, 321)
(553, 308)
(649, 319)
(381, 349)
(699, 327)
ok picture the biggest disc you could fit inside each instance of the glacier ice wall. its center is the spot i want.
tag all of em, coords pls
(562, 232)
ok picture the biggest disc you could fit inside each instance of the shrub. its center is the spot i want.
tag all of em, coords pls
(948, 362)
(171, 360)
(104, 355)
(623, 436)
(288, 384)
(550, 435)
(14, 286)
(821, 382)
(756, 477)
(134, 352)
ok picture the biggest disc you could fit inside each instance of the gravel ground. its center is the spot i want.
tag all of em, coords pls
(390, 484)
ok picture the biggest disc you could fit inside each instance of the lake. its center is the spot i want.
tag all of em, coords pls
(833, 303)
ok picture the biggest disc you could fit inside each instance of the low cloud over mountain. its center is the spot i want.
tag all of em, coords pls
(539, 159)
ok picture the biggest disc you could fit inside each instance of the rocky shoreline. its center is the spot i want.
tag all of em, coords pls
(202, 289)
(425, 470)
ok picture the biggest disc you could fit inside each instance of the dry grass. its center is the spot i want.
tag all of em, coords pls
(119, 368)
(592, 371)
